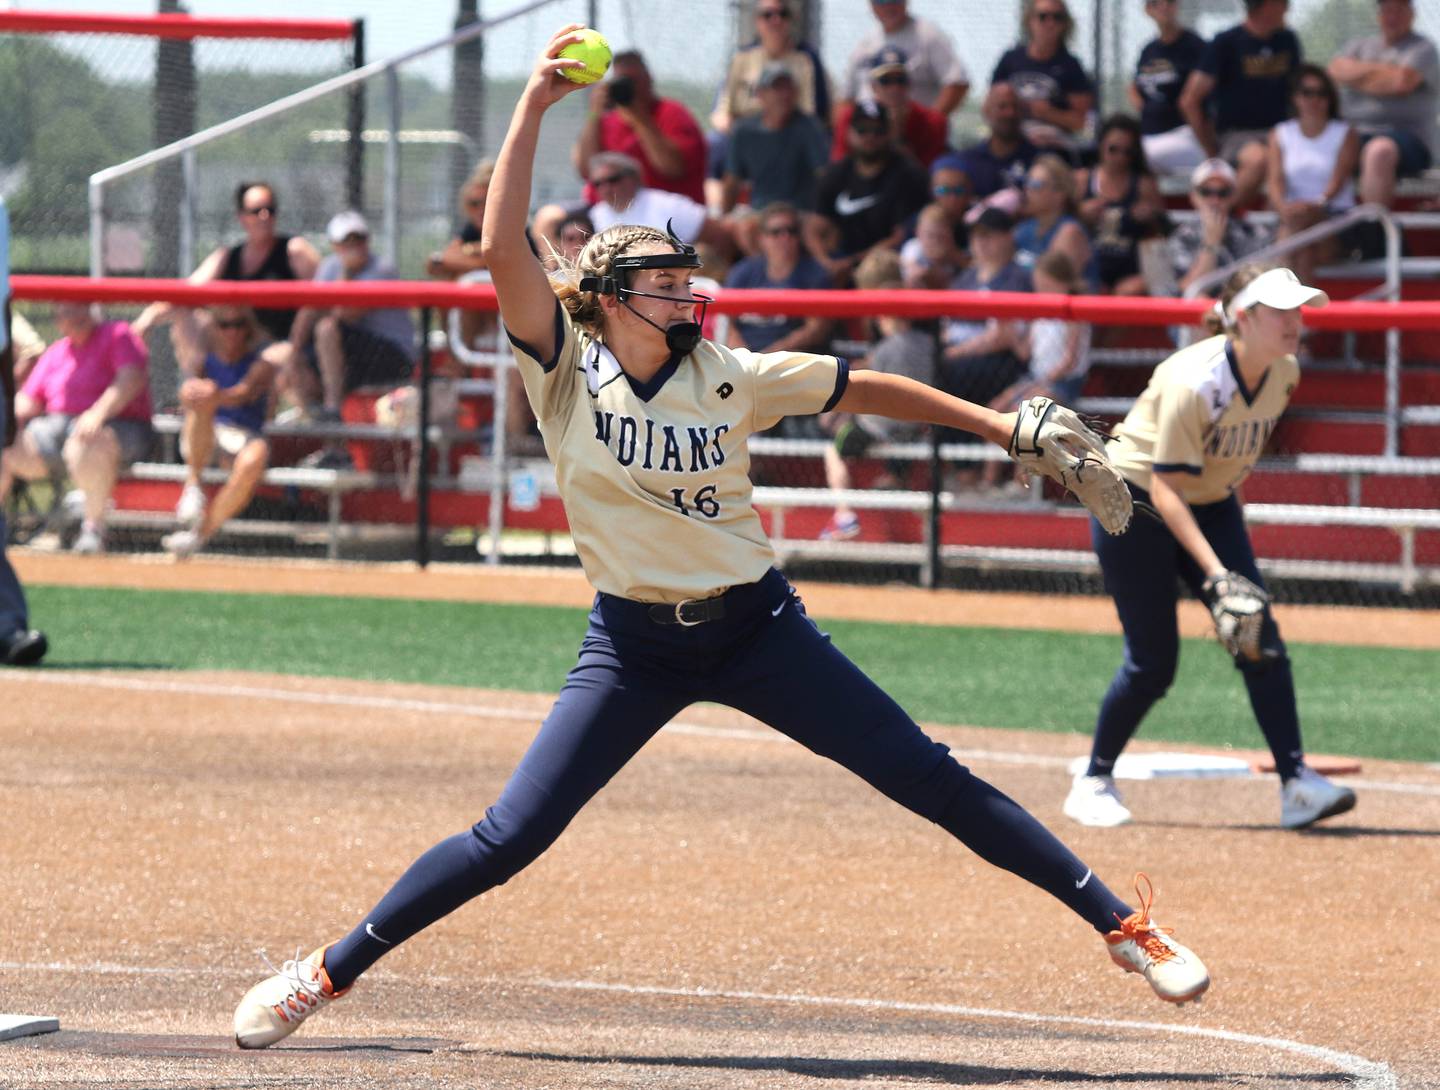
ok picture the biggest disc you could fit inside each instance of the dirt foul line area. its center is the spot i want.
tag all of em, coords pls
(730, 911)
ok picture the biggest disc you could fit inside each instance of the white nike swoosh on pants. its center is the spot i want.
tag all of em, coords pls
(776, 611)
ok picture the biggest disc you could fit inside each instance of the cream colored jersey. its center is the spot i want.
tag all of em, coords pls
(655, 476)
(1196, 417)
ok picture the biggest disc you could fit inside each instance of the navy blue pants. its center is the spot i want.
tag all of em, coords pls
(1142, 570)
(13, 613)
(764, 657)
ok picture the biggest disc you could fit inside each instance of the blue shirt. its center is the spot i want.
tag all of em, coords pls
(1252, 77)
(392, 323)
(250, 415)
(989, 173)
(759, 331)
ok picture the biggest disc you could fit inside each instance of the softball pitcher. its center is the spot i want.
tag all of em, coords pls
(647, 426)
(1186, 446)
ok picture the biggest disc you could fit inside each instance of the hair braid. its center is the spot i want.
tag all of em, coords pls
(597, 259)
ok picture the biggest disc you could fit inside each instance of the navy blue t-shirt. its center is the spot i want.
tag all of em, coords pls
(1053, 80)
(759, 331)
(1160, 76)
(990, 173)
(1252, 77)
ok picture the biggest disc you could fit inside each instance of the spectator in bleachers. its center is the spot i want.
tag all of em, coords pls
(922, 132)
(461, 254)
(775, 154)
(353, 346)
(1003, 158)
(1216, 237)
(25, 345)
(951, 189)
(224, 393)
(618, 179)
(1312, 166)
(1245, 75)
(1390, 89)
(1056, 350)
(979, 357)
(264, 255)
(1165, 64)
(1056, 96)
(572, 233)
(85, 411)
(775, 43)
(627, 116)
(1120, 204)
(932, 259)
(782, 263)
(1049, 221)
(904, 348)
(863, 202)
(938, 78)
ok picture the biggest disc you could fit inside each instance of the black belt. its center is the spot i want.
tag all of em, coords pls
(690, 612)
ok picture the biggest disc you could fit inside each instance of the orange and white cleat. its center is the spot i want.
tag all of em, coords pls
(1176, 974)
(274, 1008)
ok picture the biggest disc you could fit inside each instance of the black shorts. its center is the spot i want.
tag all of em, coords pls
(372, 360)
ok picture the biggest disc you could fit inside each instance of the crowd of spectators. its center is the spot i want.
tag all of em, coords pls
(800, 183)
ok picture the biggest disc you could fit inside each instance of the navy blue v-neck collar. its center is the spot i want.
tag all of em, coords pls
(1245, 392)
(646, 389)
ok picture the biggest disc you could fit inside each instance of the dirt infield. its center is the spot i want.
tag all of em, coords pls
(730, 912)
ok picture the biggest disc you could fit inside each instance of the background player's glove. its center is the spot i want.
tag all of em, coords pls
(1237, 607)
(1052, 441)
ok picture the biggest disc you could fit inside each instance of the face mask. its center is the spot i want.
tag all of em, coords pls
(682, 338)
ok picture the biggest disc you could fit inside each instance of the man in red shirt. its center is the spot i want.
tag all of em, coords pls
(923, 132)
(627, 116)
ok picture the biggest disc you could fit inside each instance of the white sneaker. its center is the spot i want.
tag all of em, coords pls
(1174, 972)
(1094, 801)
(191, 508)
(90, 541)
(1309, 796)
(182, 544)
(274, 1008)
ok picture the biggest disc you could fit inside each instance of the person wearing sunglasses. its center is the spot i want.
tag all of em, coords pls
(648, 424)
(781, 263)
(776, 42)
(1215, 236)
(1120, 205)
(624, 198)
(938, 77)
(1311, 169)
(1165, 64)
(1056, 95)
(1390, 90)
(1243, 80)
(921, 132)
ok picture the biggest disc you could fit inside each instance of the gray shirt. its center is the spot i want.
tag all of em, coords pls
(930, 60)
(1413, 113)
(392, 323)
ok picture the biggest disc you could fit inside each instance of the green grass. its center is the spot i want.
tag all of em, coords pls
(1364, 701)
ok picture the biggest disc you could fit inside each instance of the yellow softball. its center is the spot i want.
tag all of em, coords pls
(594, 50)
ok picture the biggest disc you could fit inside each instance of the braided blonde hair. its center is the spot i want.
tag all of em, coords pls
(598, 259)
(1219, 319)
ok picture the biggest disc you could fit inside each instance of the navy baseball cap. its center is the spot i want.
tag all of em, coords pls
(871, 112)
(994, 219)
(889, 59)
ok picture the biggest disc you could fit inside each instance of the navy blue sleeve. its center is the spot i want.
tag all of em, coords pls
(545, 365)
(842, 380)
(1176, 467)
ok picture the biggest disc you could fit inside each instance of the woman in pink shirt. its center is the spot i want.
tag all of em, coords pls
(84, 411)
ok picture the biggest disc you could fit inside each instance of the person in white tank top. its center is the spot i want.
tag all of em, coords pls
(1313, 157)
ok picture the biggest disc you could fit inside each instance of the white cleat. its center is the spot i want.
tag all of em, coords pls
(191, 508)
(1308, 797)
(1174, 972)
(182, 544)
(274, 1008)
(1094, 801)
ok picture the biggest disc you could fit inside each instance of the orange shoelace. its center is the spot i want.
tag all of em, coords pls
(1138, 927)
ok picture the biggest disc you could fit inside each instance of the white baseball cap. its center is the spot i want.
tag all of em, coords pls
(344, 224)
(1212, 168)
(1278, 288)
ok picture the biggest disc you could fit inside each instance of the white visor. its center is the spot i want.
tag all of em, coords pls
(1278, 288)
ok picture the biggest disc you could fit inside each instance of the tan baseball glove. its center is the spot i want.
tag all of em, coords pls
(1237, 606)
(1051, 441)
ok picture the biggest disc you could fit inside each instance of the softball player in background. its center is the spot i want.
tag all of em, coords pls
(1186, 446)
(647, 425)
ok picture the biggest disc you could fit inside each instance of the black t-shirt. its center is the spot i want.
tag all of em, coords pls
(867, 209)
(1052, 80)
(1160, 77)
(1252, 77)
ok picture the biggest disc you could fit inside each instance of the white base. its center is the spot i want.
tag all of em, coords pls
(26, 1025)
(1152, 766)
